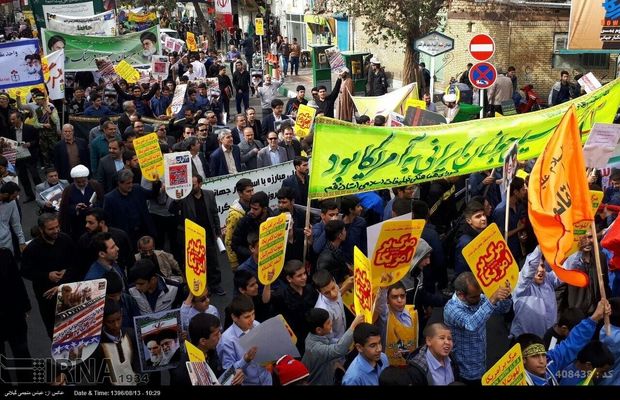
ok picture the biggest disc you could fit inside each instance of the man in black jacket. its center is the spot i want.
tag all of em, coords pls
(47, 261)
(27, 138)
(201, 208)
(70, 144)
(250, 223)
(241, 82)
(325, 102)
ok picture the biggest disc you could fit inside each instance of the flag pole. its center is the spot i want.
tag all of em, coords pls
(507, 214)
(599, 273)
(306, 225)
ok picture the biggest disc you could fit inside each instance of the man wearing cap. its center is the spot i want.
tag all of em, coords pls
(77, 199)
(377, 81)
(345, 103)
(293, 104)
(46, 121)
(452, 108)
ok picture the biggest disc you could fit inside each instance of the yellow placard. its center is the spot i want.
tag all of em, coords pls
(271, 248)
(195, 257)
(348, 300)
(260, 27)
(288, 328)
(508, 371)
(190, 39)
(415, 103)
(394, 250)
(491, 261)
(362, 286)
(581, 228)
(149, 156)
(194, 353)
(127, 72)
(24, 92)
(305, 118)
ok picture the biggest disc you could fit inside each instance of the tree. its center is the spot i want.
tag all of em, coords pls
(398, 22)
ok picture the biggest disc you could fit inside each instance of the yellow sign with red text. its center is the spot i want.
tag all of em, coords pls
(272, 239)
(191, 42)
(508, 371)
(491, 261)
(394, 250)
(195, 257)
(362, 286)
(581, 228)
(149, 156)
(260, 26)
(194, 353)
(305, 118)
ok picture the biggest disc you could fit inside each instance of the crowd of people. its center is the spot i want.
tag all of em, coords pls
(107, 221)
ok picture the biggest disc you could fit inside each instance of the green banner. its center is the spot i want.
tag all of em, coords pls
(75, 8)
(348, 158)
(81, 51)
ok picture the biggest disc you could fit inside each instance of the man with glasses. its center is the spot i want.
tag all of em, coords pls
(165, 262)
(166, 142)
(272, 154)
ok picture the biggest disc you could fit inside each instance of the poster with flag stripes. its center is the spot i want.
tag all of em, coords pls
(79, 317)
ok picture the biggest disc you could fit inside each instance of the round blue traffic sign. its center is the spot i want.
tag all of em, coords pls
(482, 75)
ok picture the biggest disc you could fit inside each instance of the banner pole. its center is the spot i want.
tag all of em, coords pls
(262, 57)
(507, 214)
(599, 273)
(481, 93)
(306, 225)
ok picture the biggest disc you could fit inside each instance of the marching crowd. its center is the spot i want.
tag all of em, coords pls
(109, 222)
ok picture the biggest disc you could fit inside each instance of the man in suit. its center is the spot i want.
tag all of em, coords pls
(237, 131)
(199, 163)
(200, 207)
(249, 148)
(299, 180)
(254, 123)
(272, 154)
(70, 152)
(51, 175)
(27, 138)
(107, 172)
(272, 122)
(227, 158)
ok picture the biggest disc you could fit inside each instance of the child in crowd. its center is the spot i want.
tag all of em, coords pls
(230, 351)
(330, 299)
(194, 305)
(322, 354)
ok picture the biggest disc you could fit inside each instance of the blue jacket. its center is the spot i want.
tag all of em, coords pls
(613, 343)
(130, 213)
(217, 161)
(564, 353)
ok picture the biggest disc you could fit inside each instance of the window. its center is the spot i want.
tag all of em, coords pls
(560, 42)
(594, 60)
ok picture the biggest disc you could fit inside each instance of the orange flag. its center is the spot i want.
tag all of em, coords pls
(559, 197)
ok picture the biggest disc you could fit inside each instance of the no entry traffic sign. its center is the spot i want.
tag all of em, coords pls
(482, 75)
(482, 47)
